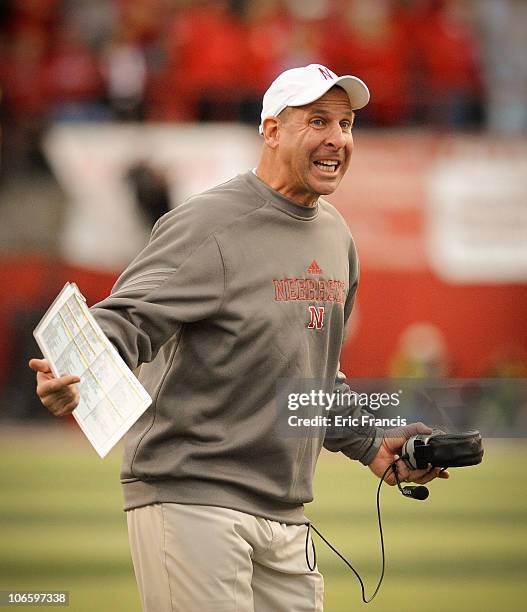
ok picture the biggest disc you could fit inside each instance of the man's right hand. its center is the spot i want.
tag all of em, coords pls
(59, 395)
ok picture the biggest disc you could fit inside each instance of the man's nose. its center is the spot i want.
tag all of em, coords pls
(335, 136)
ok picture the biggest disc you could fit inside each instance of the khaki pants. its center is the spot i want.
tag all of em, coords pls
(190, 558)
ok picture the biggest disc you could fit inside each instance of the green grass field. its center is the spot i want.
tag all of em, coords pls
(463, 550)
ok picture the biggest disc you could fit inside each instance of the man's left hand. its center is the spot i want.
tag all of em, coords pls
(390, 451)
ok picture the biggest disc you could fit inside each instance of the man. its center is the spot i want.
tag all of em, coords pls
(244, 285)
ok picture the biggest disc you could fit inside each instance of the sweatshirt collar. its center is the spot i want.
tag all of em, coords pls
(279, 200)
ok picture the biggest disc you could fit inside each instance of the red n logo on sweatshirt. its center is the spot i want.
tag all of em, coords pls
(316, 317)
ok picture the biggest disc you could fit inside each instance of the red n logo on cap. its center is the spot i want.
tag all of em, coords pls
(325, 73)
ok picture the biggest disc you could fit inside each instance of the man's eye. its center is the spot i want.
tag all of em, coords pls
(317, 122)
(345, 125)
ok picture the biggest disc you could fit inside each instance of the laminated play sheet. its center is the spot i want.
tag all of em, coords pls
(111, 397)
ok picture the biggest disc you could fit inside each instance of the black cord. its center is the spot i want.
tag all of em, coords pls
(311, 568)
(310, 526)
(394, 468)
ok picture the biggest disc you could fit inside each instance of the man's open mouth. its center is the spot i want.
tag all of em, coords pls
(327, 165)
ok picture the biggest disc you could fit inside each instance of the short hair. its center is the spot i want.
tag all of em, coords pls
(283, 114)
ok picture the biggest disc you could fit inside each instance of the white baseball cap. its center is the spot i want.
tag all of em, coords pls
(299, 86)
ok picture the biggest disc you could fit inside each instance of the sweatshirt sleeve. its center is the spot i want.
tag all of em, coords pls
(362, 442)
(178, 278)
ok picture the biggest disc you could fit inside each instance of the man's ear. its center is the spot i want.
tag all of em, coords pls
(271, 131)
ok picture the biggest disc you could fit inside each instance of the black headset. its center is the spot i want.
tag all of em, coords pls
(423, 451)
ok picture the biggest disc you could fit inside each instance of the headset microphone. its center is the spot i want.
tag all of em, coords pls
(415, 492)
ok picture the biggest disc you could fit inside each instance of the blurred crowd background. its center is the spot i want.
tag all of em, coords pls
(443, 63)
(440, 162)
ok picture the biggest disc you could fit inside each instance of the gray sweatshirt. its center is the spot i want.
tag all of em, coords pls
(238, 288)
